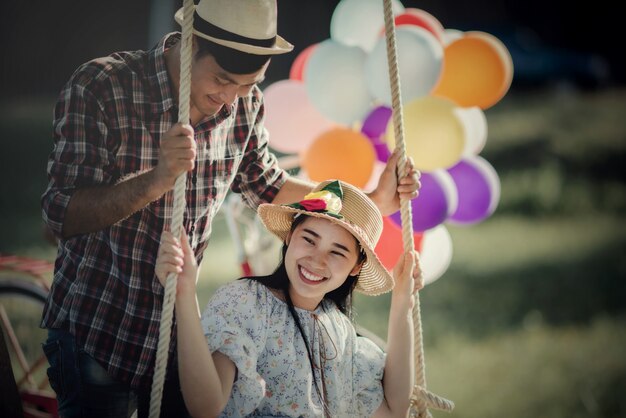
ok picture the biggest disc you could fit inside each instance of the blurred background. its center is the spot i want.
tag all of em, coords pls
(529, 318)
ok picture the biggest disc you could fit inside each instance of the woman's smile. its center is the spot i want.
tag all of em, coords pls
(309, 277)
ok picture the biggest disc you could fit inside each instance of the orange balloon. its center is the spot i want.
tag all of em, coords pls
(341, 154)
(477, 71)
(390, 245)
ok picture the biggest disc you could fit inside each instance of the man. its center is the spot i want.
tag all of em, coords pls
(118, 151)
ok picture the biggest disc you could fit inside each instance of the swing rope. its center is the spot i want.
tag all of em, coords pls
(421, 399)
(165, 329)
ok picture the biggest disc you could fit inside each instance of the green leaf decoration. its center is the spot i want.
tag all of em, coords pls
(335, 188)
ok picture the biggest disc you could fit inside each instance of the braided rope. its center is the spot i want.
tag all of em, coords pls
(421, 399)
(165, 329)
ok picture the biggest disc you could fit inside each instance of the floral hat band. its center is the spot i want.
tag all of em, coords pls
(328, 201)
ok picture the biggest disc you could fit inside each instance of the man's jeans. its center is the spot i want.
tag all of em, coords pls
(84, 388)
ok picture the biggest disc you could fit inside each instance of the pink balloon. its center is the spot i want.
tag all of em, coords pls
(290, 118)
(478, 188)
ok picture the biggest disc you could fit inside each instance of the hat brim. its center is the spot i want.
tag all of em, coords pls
(374, 279)
(281, 46)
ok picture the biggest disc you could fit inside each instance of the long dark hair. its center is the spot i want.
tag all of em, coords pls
(341, 297)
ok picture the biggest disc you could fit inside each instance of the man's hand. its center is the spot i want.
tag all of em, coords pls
(389, 191)
(177, 154)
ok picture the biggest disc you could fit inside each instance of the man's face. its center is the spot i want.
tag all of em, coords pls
(212, 87)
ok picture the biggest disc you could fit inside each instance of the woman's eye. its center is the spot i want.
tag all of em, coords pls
(309, 240)
(338, 253)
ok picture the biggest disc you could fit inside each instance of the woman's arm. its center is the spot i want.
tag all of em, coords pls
(206, 378)
(398, 379)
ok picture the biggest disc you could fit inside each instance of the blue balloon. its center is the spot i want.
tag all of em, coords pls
(420, 63)
(335, 82)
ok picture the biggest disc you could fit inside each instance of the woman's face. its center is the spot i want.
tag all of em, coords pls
(320, 256)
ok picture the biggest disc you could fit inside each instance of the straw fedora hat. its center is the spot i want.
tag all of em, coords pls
(245, 25)
(348, 207)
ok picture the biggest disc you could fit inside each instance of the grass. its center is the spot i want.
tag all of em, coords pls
(534, 371)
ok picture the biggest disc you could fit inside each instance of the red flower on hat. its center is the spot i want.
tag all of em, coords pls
(313, 205)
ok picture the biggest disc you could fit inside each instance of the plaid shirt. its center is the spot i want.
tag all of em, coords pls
(107, 125)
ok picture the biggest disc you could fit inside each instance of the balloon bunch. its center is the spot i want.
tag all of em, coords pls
(334, 112)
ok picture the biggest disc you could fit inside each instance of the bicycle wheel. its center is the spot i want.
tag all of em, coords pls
(21, 304)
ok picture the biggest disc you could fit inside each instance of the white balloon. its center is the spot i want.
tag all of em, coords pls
(451, 35)
(420, 61)
(475, 127)
(372, 183)
(335, 82)
(436, 253)
(359, 22)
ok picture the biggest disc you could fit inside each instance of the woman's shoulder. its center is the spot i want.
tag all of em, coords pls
(244, 293)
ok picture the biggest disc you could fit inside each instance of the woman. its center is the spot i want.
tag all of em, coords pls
(284, 344)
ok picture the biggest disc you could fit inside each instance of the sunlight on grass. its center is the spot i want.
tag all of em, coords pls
(538, 371)
(520, 241)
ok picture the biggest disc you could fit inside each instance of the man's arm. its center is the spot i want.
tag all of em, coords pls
(386, 196)
(94, 208)
(91, 209)
(293, 190)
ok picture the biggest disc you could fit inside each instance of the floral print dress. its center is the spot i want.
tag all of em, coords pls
(245, 321)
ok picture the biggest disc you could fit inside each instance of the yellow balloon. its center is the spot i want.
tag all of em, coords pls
(340, 153)
(433, 134)
(477, 71)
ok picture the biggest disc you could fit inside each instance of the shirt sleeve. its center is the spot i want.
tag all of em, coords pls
(260, 178)
(369, 366)
(234, 324)
(80, 157)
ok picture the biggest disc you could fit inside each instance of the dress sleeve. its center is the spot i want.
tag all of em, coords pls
(234, 324)
(369, 365)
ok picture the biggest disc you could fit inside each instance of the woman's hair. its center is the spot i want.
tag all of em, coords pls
(231, 60)
(341, 297)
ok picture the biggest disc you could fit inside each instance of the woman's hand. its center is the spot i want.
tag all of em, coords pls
(178, 258)
(408, 277)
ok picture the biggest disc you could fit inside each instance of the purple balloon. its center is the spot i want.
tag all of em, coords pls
(434, 204)
(478, 189)
(382, 151)
(374, 126)
(375, 123)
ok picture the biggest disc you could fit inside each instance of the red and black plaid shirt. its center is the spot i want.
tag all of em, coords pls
(107, 125)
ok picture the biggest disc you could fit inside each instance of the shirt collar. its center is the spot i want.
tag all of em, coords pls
(158, 79)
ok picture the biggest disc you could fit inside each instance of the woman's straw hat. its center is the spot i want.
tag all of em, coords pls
(348, 207)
